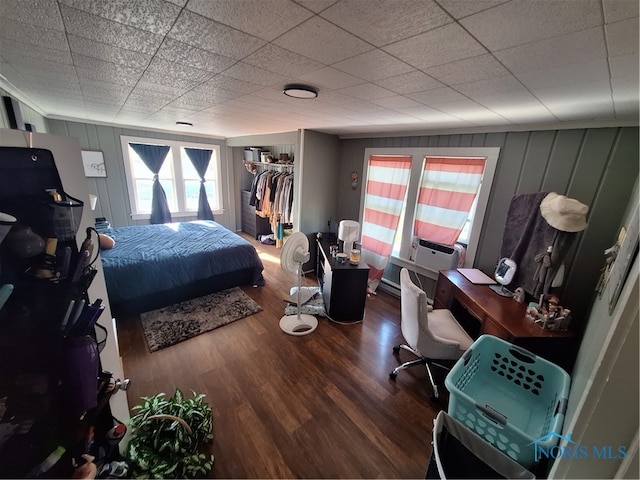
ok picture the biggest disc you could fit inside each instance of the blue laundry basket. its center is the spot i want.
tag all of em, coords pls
(512, 398)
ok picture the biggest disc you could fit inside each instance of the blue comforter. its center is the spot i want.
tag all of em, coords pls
(148, 259)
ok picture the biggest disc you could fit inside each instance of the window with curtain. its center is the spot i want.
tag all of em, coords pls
(179, 177)
(386, 188)
(447, 192)
(448, 189)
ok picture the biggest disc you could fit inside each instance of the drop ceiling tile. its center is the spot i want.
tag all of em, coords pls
(39, 13)
(321, 41)
(191, 104)
(433, 116)
(367, 91)
(330, 78)
(178, 71)
(396, 102)
(155, 16)
(108, 53)
(104, 110)
(411, 82)
(154, 89)
(622, 37)
(468, 70)
(207, 34)
(232, 84)
(616, 10)
(108, 76)
(518, 107)
(373, 65)
(106, 90)
(491, 87)
(566, 74)
(138, 105)
(31, 34)
(162, 79)
(226, 108)
(199, 100)
(21, 49)
(110, 100)
(278, 60)
(91, 63)
(102, 30)
(471, 112)
(463, 8)
(178, 52)
(391, 21)
(625, 93)
(572, 48)
(578, 101)
(436, 47)
(437, 95)
(36, 66)
(526, 113)
(262, 19)
(249, 73)
(525, 21)
(624, 66)
(316, 5)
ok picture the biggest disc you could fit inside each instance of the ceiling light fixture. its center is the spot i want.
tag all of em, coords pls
(184, 124)
(297, 90)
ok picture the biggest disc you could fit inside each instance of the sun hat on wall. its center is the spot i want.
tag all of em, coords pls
(564, 213)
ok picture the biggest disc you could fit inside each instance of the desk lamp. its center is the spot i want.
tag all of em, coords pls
(348, 232)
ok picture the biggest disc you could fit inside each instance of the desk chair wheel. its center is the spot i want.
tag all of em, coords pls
(396, 349)
(393, 375)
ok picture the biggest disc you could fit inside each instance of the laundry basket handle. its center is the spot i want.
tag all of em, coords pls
(492, 414)
(522, 354)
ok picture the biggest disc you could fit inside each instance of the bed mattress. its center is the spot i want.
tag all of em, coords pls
(148, 262)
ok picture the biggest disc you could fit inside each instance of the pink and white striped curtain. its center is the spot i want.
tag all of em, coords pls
(387, 180)
(447, 190)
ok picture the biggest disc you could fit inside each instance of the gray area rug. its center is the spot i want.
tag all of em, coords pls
(175, 323)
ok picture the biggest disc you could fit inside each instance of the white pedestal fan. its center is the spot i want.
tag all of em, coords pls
(295, 253)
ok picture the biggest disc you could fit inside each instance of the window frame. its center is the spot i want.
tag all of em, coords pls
(418, 155)
(176, 168)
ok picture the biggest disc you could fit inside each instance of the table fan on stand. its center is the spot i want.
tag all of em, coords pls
(295, 253)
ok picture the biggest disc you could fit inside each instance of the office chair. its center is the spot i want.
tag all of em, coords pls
(432, 337)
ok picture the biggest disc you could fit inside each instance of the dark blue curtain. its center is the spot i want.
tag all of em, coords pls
(200, 160)
(153, 157)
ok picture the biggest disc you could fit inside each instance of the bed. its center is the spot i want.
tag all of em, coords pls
(152, 266)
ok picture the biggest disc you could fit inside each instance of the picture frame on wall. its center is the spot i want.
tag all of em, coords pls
(93, 162)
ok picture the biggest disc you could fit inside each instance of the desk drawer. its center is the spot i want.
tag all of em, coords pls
(471, 307)
(490, 328)
(444, 293)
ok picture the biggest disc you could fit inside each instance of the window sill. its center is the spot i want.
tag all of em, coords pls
(411, 265)
(147, 216)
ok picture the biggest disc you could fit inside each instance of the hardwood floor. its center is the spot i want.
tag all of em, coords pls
(316, 406)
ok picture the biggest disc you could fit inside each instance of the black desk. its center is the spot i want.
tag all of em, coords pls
(344, 286)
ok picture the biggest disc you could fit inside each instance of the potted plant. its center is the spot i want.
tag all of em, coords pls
(167, 435)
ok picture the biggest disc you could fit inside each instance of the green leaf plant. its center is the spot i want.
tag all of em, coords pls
(168, 435)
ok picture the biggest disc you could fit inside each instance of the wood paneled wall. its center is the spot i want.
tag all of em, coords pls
(597, 166)
(113, 196)
(29, 115)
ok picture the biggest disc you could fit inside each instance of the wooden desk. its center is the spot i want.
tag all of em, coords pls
(500, 316)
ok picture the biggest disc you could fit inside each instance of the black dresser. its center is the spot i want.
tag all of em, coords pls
(344, 286)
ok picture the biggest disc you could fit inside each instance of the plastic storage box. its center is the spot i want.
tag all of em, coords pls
(512, 398)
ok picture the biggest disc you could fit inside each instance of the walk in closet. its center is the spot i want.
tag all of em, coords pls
(267, 195)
